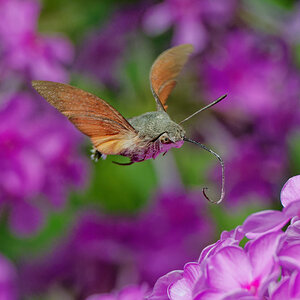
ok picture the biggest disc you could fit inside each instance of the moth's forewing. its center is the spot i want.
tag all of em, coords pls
(109, 131)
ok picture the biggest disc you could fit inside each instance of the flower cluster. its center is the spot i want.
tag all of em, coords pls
(38, 148)
(38, 161)
(267, 267)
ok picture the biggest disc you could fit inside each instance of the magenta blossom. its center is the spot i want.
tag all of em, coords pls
(189, 18)
(227, 271)
(39, 162)
(231, 272)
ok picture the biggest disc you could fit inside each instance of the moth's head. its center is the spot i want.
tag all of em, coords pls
(173, 135)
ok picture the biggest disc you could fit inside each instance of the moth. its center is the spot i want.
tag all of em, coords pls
(139, 138)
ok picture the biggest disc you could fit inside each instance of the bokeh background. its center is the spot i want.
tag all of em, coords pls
(70, 227)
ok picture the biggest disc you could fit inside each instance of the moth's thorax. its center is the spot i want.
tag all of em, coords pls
(152, 124)
(150, 127)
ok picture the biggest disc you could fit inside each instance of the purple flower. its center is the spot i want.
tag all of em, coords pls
(8, 280)
(103, 51)
(232, 272)
(38, 162)
(189, 18)
(227, 271)
(24, 50)
(125, 250)
(127, 293)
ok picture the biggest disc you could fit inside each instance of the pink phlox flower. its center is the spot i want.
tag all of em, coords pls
(234, 273)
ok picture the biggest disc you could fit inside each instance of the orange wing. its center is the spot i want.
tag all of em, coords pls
(165, 70)
(109, 131)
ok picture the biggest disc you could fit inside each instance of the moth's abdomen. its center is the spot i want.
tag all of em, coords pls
(150, 150)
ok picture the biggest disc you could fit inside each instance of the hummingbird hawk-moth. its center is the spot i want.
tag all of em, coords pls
(139, 138)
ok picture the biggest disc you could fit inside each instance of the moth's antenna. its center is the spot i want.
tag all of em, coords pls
(223, 171)
(204, 108)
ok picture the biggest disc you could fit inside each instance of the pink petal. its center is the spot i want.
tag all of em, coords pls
(241, 295)
(264, 222)
(295, 285)
(161, 286)
(261, 253)
(229, 269)
(292, 233)
(184, 288)
(282, 290)
(216, 247)
(180, 290)
(292, 209)
(289, 257)
(209, 295)
(290, 191)
(236, 234)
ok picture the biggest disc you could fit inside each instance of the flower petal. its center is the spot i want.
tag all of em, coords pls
(229, 269)
(263, 222)
(290, 191)
(289, 257)
(282, 290)
(184, 288)
(261, 253)
(160, 288)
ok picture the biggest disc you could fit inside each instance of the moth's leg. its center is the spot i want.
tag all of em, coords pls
(123, 164)
(96, 155)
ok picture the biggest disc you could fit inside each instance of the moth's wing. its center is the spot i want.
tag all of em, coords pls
(165, 70)
(109, 131)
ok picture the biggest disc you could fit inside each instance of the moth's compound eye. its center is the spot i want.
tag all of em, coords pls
(165, 139)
